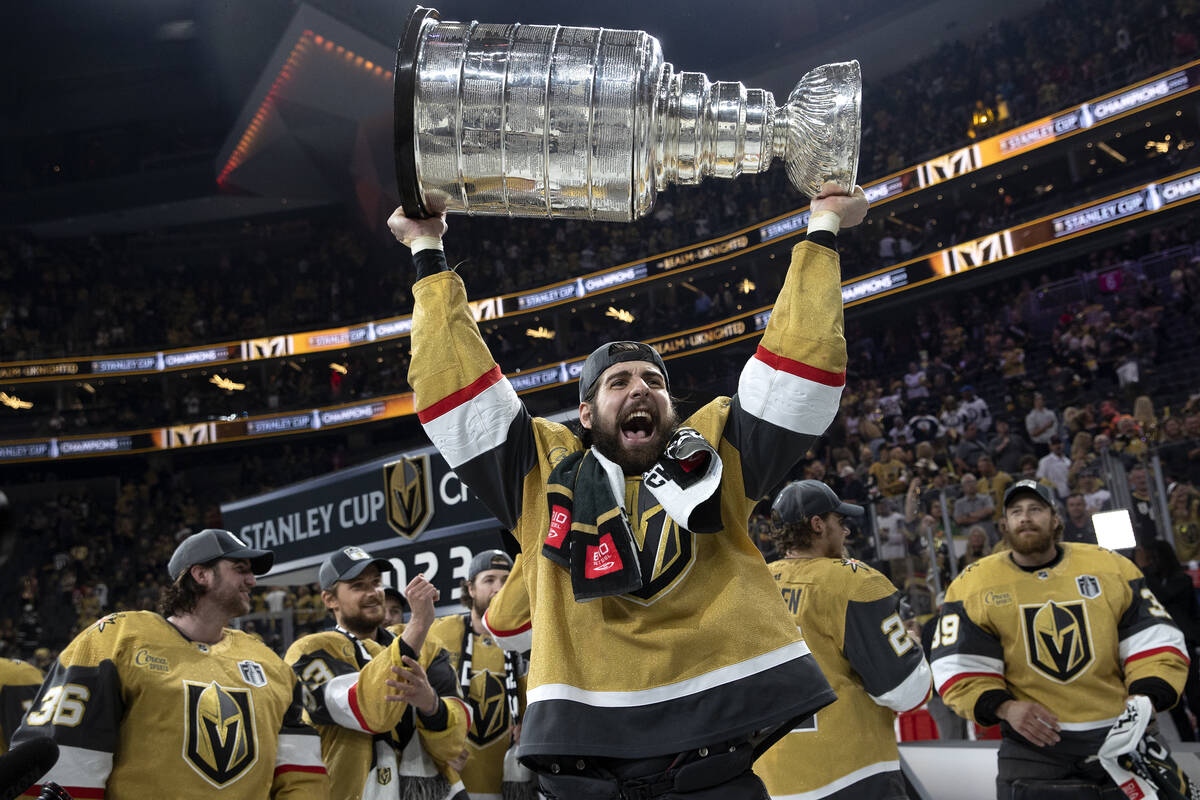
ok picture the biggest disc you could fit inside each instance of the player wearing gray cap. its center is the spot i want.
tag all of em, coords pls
(850, 615)
(492, 681)
(374, 748)
(633, 530)
(180, 705)
(1063, 644)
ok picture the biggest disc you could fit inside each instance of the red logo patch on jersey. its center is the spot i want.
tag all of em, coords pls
(602, 558)
(560, 523)
(1132, 790)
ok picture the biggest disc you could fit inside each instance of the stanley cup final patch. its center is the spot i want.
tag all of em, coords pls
(1089, 586)
(252, 673)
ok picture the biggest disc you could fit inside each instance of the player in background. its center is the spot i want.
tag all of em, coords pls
(850, 617)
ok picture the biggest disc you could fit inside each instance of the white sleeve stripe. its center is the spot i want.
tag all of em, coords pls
(519, 640)
(337, 701)
(1155, 637)
(80, 767)
(787, 400)
(299, 750)
(911, 692)
(475, 426)
(946, 668)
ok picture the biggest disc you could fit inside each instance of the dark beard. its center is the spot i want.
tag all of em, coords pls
(607, 439)
(361, 623)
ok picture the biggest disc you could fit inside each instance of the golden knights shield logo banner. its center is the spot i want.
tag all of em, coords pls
(221, 743)
(1058, 640)
(408, 484)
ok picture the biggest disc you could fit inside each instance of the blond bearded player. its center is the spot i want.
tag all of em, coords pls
(647, 676)
(1049, 639)
(379, 749)
(180, 705)
(492, 681)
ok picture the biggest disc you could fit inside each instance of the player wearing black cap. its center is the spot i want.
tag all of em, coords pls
(1049, 639)
(493, 682)
(373, 748)
(850, 615)
(180, 705)
(635, 551)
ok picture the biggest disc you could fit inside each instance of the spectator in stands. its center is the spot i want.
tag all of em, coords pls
(992, 482)
(969, 448)
(975, 509)
(1007, 447)
(951, 418)
(1055, 466)
(978, 546)
(1143, 513)
(1042, 425)
(975, 409)
(891, 475)
(1077, 526)
(915, 384)
(1095, 496)
(1184, 508)
(924, 426)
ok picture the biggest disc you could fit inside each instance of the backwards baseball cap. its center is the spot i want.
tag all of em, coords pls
(1027, 486)
(211, 544)
(611, 353)
(489, 559)
(346, 565)
(803, 500)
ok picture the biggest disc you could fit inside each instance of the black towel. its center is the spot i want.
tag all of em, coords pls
(589, 532)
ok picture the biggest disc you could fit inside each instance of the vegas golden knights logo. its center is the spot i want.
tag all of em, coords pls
(221, 743)
(489, 706)
(409, 489)
(665, 550)
(1057, 640)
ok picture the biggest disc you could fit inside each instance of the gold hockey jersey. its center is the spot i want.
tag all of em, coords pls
(679, 663)
(139, 710)
(850, 617)
(19, 683)
(1077, 635)
(364, 738)
(491, 721)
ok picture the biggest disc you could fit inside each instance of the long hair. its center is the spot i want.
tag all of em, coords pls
(791, 535)
(182, 595)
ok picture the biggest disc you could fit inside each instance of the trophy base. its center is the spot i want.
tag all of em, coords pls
(405, 132)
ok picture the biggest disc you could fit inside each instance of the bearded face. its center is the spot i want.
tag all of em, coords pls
(631, 417)
(1031, 526)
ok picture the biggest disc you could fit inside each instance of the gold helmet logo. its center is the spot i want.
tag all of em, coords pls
(1057, 639)
(489, 701)
(409, 489)
(221, 743)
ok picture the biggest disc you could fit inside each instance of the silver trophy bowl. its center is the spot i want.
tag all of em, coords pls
(590, 123)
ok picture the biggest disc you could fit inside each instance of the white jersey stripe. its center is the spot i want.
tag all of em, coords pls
(843, 782)
(520, 640)
(946, 668)
(1155, 637)
(911, 692)
(787, 400)
(1087, 726)
(337, 701)
(298, 750)
(475, 426)
(80, 767)
(673, 691)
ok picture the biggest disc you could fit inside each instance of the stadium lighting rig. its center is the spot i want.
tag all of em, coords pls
(540, 332)
(14, 402)
(225, 383)
(619, 314)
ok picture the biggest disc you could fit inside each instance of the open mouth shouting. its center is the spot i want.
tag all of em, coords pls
(637, 428)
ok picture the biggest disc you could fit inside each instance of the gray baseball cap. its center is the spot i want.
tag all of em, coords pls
(489, 559)
(803, 500)
(605, 356)
(346, 565)
(1029, 487)
(213, 543)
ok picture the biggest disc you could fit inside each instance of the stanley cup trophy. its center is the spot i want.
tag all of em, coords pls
(590, 123)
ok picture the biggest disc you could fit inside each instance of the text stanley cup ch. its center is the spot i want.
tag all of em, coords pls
(590, 123)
